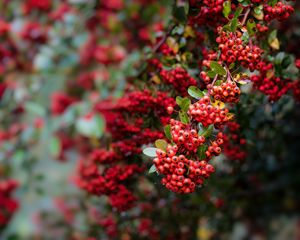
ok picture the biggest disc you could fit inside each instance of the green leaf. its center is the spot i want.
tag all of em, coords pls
(279, 58)
(258, 9)
(245, 37)
(161, 144)
(150, 151)
(152, 169)
(201, 151)
(238, 12)
(226, 27)
(183, 117)
(179, 12)
(272, 2)
(207, 131)
(54, 146)
(35, 108)
(231, 66)
(272, 36)
(217, 68)
(91, 127)
(183, 103)
(178, 30)
(286, 61)
(233, 24)
(195, 92)
(211, 74)
(167, 130)
(218, 83)
(179, 100)
(18, 157)
(226, 8)
(251, 27)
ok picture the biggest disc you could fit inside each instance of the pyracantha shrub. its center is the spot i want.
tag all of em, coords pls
(187, 83)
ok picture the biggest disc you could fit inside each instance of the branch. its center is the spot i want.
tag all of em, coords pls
(215, 79)
(245, 17)
(158, 45)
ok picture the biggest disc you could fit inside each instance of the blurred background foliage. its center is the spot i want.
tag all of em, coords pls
(256, 198)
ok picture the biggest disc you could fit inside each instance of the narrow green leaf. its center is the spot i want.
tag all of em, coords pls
(258, 9)
(233, 24)
(183, 103)
(90, 127)
(211, 74)
(216, 67)
(167, 130)
(272, 36)
(152, 169)
(207, 131)
(179, 100)
(245, 37)
(251, 27)
(201, 151)
(238, 12)
(161, 144)
(180, 14)
(195, 92)
(54, 146)
(279, 58)
(183, 117)
(226, 8)
(150, 151)
(231, 66)
(218, 83)
(35, 109)
(287, 61)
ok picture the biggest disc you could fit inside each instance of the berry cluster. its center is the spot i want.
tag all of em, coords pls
(60, 101)
(266, 82)
(86, 80)
(279, 11)
(234, 143)
(296, 90)
(185, 137)
(232, 50)
(258, 1)
(205, 77)
(204, 112)
(213, 6)
(4, 27)
(226, 92)
(179, 79)
(34, 32)
(107, 54)
(110, 226)
(210, 12)
(104, 156)
(166, 50)
(146, 228)
(215, 147)
(181, 174)
(261, 28)
(143, 102)
(107, 181)
(8, 204)
(31, 5)
(122, 199)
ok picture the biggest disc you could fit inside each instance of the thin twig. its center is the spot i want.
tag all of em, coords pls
(158, 45)
(228, 74)
(245, 17)
(215, 79)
